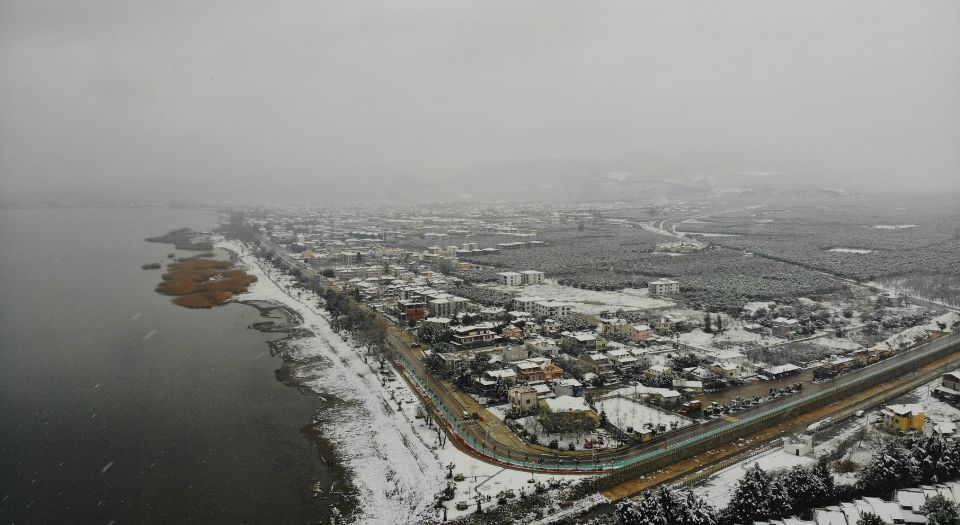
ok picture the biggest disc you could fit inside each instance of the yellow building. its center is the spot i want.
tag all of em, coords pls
(903, 417)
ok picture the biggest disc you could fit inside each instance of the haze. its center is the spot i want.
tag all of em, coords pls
(322, 101)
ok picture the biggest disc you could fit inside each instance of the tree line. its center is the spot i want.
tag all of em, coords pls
(907, 461)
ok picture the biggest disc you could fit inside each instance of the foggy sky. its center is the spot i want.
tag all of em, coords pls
(315, 100)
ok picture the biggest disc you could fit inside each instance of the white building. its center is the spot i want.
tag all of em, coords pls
(529, 277)
(663, 287)
(510, 278)
(550, 309)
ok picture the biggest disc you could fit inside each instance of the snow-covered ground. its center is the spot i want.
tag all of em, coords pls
(589, 301)
(625, 413)
(719, 488)
(394, 458)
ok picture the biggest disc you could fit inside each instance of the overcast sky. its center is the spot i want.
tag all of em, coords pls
(320, 100)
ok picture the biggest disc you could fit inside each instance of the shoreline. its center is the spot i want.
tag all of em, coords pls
(397, 461)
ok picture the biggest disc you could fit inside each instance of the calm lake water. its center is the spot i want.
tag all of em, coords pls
(118, 406)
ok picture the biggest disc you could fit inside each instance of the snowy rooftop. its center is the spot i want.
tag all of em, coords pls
(566, 404)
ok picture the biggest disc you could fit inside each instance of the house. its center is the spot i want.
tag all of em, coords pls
(530, 277)
(597, 363)
(622, 328)
(543, 391)
(657, 371)
(783, 327)
(512, 332)
(511, 354)
(656, 395)
(542, 346)
(411, 311)
(567, 387)
(699, 372)
(903, 417)
(801, 445)
(729, 356)
(530, 371)
(666, 325)
(509, 278)
(639, 332)
(945, 429)
(523, 397)
(563, 404)
(579, 342)
(473, 336)
(451, 362)
(663, 287)
(951, 380)
(779, 372)
(622, 358)
(725, 370)
(506, 375)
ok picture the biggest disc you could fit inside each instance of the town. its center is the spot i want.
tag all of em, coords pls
(533, 339)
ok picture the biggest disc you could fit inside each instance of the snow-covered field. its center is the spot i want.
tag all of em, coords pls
(589, 301)
(625, 413)
(394, 458)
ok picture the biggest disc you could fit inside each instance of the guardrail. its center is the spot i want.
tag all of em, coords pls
(629, 467)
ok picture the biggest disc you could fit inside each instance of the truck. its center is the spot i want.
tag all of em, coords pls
(819, 425)
(692, 406)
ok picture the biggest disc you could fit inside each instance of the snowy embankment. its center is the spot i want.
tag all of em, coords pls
(910, 336)
(397, 464)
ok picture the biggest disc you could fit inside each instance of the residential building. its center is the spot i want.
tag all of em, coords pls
(523, 397)
(446, 305)
(567, 387)
(622, 358)
(951, 380)
(551, 310)
(411, 311)
(663, 287)
(524, 303)
(473, 336)
(506, 375)
(597, 363)
(512, 332)
(903, 417)
(666, 325)
(532, 370)
(579, 342)
(657, 371)
(451, 362)
(563, 404)
(783, 327)
(509, 278)
(725, 370)
(531, 277)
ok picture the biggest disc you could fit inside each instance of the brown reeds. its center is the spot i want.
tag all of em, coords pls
(204, 283)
